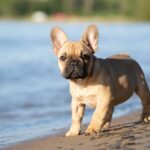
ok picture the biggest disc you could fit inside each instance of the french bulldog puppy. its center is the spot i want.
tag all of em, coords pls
(99, 83)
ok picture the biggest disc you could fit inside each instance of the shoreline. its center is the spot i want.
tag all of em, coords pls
(77, 19)
(126, 132)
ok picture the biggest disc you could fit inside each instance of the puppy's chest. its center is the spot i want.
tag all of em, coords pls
(86, 96)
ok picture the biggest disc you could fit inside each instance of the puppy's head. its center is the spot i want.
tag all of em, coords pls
(75, 59)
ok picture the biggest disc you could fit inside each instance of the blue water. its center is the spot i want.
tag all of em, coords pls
(34, 98)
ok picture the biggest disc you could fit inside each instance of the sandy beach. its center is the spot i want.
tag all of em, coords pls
(125, 133)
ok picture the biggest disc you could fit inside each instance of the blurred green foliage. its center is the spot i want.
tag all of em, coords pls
(138, 9)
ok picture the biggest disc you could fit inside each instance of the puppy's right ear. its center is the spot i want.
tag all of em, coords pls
(58, 38)
(90, 37)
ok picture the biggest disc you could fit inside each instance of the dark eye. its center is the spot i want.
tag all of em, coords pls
(85, 56)
(62, 58)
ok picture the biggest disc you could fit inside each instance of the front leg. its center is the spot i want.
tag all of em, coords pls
(77, 115)
(108, 119)
(99, 117)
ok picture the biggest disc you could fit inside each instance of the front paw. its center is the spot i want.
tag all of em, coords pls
(72, 133)
(92, 130)
(106, 126)
(146, 118)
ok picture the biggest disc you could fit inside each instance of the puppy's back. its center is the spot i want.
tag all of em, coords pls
(120, 56)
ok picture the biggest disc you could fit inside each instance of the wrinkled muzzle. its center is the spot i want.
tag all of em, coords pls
(75, 70)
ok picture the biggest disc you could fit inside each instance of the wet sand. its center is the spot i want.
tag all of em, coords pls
(125, 133)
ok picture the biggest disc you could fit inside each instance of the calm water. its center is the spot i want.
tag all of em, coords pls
(34, 98)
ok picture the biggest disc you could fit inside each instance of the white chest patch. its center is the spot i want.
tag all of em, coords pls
(87, 100)
(90, 101)
(87, 95)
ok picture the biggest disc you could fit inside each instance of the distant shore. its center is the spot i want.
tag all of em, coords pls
(63, 18)
(125, 133)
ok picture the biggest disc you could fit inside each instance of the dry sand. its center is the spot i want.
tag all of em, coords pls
(126, 133)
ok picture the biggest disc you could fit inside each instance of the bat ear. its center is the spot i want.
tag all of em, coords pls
(58, 38)
(90, 37)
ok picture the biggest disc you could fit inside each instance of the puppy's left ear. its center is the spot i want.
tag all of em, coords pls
(90, 37)
(58, 38)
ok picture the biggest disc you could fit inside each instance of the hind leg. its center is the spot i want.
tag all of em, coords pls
(143, 92)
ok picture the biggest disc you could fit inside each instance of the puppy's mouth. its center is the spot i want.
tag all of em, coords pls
(76, 75)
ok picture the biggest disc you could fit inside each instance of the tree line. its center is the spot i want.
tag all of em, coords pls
(139, 9)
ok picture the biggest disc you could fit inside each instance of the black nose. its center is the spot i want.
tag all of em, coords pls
(74, 63)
